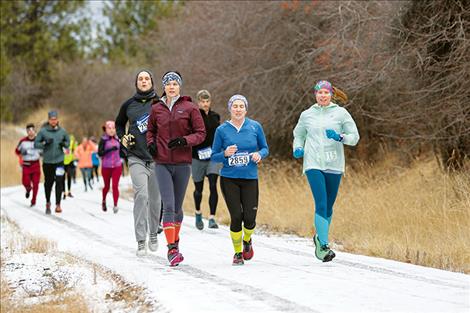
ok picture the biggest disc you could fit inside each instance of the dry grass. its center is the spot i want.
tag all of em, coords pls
(417, 215)
(62, 298)
(19, 242)
(10, 170)
(68, 303)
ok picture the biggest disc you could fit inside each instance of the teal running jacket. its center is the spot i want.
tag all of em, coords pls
(321, 152)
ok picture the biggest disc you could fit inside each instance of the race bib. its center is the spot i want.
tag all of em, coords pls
(59, 171)
(204, 154)
(142, 123)
(239, 159)
(331, 156)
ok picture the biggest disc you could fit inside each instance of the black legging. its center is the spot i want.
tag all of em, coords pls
(94, 172)
(213, 196)
(241, 196)
(50, 177)
(69, 168)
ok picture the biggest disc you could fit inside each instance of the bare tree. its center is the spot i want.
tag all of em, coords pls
(397, 60)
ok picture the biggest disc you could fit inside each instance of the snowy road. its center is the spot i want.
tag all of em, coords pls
(284, 275)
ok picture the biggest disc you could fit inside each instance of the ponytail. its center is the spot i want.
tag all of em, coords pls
(339, 96)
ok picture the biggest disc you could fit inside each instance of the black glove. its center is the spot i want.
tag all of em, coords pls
(177, 142)
(64, 143)
(128, 141)
(48, 141)
(152, 149)
(24, 152)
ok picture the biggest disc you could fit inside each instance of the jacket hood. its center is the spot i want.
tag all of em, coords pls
(48, 127)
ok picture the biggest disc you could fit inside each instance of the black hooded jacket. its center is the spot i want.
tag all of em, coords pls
(211, 122)
(136, 112)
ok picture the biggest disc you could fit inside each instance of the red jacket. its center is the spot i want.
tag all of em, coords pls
(184, 120)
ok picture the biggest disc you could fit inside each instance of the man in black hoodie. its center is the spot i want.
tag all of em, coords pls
(147, 201)
(202, 166)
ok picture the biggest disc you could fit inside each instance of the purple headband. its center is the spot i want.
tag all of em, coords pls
(323, 84)
(237, 97)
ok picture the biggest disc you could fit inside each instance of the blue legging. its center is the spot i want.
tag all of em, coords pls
(324, 189)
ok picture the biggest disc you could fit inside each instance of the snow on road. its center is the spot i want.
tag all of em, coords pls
(283, 276)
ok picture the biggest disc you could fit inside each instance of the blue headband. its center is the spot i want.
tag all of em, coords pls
(172, 76)
(237, 97)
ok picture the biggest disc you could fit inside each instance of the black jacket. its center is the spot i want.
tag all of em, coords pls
(137, 113)
(211, 122)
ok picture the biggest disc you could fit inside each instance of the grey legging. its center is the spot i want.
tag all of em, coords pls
(173, 181)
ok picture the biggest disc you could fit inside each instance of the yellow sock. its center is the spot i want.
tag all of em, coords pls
(236, 240)
(247, 233)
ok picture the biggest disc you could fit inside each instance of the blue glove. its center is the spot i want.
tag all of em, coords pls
(331, 134)
(298, 153)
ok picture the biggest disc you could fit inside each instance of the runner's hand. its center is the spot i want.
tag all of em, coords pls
(128, 141)
(230, 150)
(152, 149)
(298, 153)
(177, 142)
(331, 134)
(256, 157)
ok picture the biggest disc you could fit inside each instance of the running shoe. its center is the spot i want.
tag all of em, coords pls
(199, 222)
(213, 224)
(238, 259)
(323, 252)
(153, 242)
(174, 256)
(247, 250)
(141, 251)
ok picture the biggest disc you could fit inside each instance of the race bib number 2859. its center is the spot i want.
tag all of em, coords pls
(239, 159)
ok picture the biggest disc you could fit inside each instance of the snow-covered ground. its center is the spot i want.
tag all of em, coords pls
(283, 276)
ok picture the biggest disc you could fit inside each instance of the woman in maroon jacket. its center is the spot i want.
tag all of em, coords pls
(174, 126)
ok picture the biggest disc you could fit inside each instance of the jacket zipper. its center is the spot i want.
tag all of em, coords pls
(322, 139)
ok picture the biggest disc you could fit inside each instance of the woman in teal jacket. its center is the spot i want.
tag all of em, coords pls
(319, 136)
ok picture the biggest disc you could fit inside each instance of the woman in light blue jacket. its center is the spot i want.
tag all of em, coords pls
(319, 136)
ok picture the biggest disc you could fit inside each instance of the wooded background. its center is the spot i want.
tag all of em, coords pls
(405, 65)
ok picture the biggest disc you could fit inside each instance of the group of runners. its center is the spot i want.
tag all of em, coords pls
(168, 138)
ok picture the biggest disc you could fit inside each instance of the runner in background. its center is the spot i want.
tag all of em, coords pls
(83, 154)
(240, 145)
(31, 169)
(53, 140)
(69, 167)
(202, 166)
(95, 161)
(111, 164)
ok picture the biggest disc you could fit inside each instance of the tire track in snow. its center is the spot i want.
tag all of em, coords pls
(278, 303)
(356, 265)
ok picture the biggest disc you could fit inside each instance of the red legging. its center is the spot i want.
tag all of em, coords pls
(115, 174)
(30, 180)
